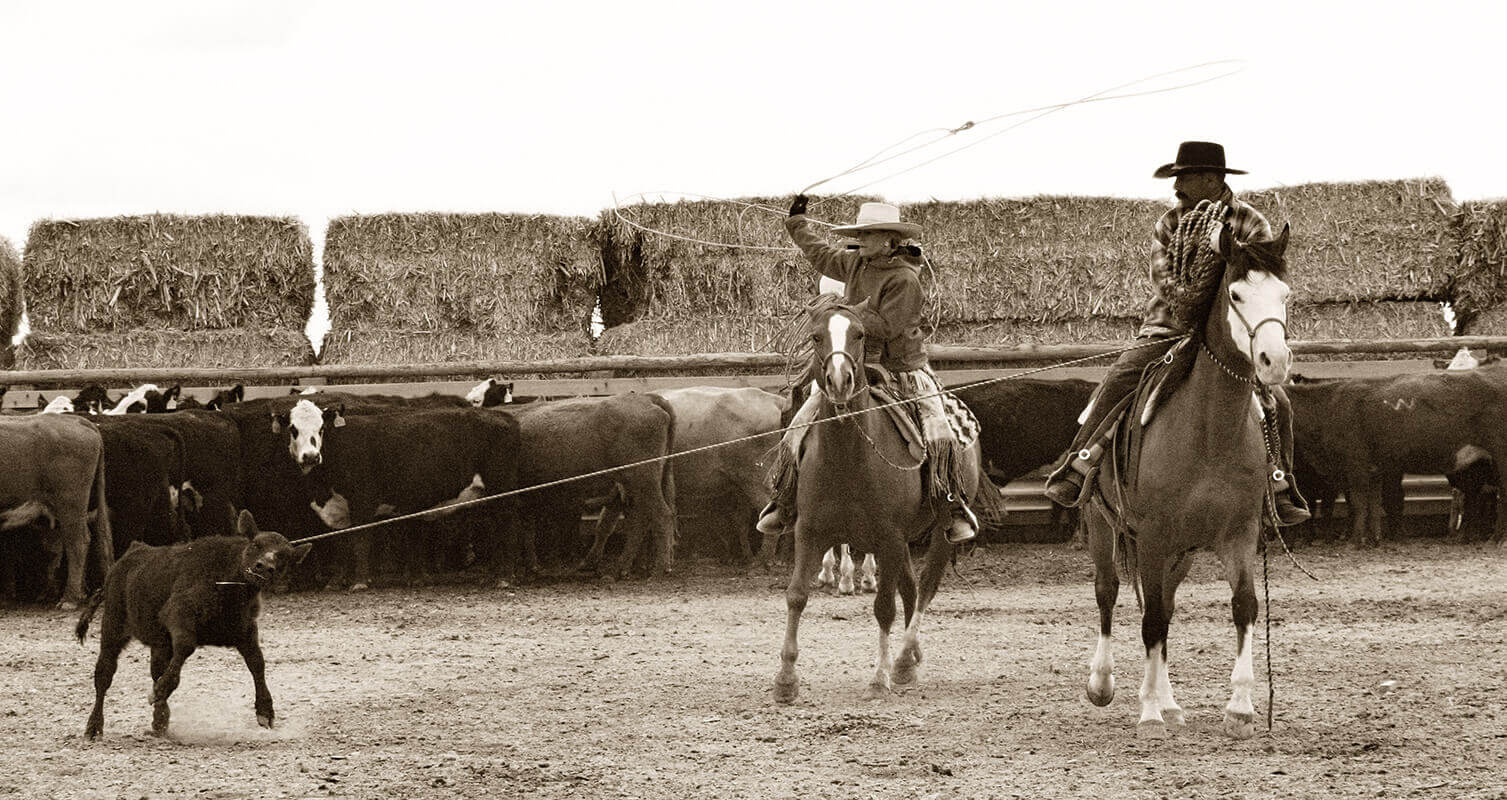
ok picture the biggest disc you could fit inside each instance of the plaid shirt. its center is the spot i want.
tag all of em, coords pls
(1246, 223)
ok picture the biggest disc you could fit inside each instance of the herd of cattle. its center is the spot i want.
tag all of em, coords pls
(87, 476)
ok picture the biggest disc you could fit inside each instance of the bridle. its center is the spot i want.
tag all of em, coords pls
(1250, 345)
(860, 382)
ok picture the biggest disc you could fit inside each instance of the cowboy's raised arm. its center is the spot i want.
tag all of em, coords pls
(831, 260)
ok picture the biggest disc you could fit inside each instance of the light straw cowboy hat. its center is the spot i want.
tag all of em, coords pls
(880, 217)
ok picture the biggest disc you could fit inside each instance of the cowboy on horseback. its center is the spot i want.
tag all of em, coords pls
(882, 273)
(1198, 175)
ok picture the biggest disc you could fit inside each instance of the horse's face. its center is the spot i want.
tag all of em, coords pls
(1255, 305)
(837, 339)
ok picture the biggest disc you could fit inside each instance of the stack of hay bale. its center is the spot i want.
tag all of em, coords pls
(437, 287)
(167, 291)
(1480, 284)
(12, 301)
(670, 296)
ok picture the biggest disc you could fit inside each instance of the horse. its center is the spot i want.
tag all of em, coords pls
(859, 484)
(1202, 483)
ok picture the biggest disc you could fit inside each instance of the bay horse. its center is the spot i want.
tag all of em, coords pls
(859, 484)
(1202, 483)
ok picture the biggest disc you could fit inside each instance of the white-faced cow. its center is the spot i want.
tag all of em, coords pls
(55, 474)
(359, 468)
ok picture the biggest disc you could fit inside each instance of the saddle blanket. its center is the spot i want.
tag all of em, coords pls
(894, 386)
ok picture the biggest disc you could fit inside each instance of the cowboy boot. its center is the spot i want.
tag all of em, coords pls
(1067, 486)
(773, 519)
(965, 524)
(1291, 508)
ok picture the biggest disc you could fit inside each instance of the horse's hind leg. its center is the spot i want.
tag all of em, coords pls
(786, 684)
(845, 571)
(1101, 677)
(827, 576)
(1240, 713)
(937, 553)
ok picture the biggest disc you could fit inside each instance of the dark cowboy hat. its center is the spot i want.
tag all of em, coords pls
(1197, 157)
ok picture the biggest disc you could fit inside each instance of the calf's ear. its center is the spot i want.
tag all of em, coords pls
(245, 524)
(302, 550)
(279, 421)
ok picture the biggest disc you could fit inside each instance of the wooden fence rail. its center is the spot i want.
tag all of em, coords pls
(941, 355)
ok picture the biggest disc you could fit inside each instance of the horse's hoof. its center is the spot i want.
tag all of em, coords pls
(903, 676)
(876, 690)
(1151, 729)
(501, 583)
(359, 586)
(845, 588)
(1239, 726)
(1174, 717)
(1101, 693)
(67, 605)
(870, 587)
(92, 732)
(265, 722)
(785, 693)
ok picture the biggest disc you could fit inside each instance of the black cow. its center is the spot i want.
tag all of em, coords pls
(1362, 434)
(1026, 423)
(358, 468)
(222, 398)
(93, 400)
(211, 465)
(178, 598)
(144, 480)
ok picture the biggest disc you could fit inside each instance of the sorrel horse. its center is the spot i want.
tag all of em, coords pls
(859, 484)
(1202, 483)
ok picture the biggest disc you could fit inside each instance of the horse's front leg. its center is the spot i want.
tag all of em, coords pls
(1101, 670)
(1159, 582)
(1240, 713)
(786, 684)
(884, 614)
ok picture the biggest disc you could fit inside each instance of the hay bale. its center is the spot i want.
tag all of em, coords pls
(475, 274)
(710, 334)
(1480, 278)
(1370, 240)
(666, 278)
(1009, 333)
(1379, 320)
(12, 300)
(229, 347)
(167, 271)
(1491, 322)
(370, 346)
(1042, 259)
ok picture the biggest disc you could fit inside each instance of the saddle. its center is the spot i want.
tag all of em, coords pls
(1125, 427)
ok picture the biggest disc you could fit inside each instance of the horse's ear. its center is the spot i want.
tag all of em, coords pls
(1279, 244)
(861, 307)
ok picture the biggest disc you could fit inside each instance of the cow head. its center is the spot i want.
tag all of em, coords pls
(267, 555)
(93, 400)
(306, 424)
(148, 399)
(224, 397)
(58, 405)
(490, 392)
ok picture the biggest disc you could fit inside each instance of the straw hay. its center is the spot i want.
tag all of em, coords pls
(660, 277)
(12, 296)
(168, 271)
(469, 274)
(229, 347)
(1371, 240)
(1491, 322)
(711, 334)
(1004, 333)
(1381, 320)
(1039, 259)
(370, 346)
(1480, 278)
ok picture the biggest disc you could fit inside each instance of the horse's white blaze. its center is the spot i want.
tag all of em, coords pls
(1243, 677)
(1101, 668)
(306, 434)
(1156, 667)
(1262, 296)
(334, 512)
(837, 331)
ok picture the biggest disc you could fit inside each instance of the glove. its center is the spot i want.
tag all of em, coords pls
(799, 206)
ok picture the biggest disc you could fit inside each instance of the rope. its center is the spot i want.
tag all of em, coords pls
(431, 512)
(1040, 111)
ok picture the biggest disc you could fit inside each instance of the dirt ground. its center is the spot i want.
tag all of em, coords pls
(1389, 682)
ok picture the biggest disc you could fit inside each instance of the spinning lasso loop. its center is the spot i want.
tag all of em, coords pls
(432, 513)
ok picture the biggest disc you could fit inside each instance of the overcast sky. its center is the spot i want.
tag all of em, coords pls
(323, 108)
